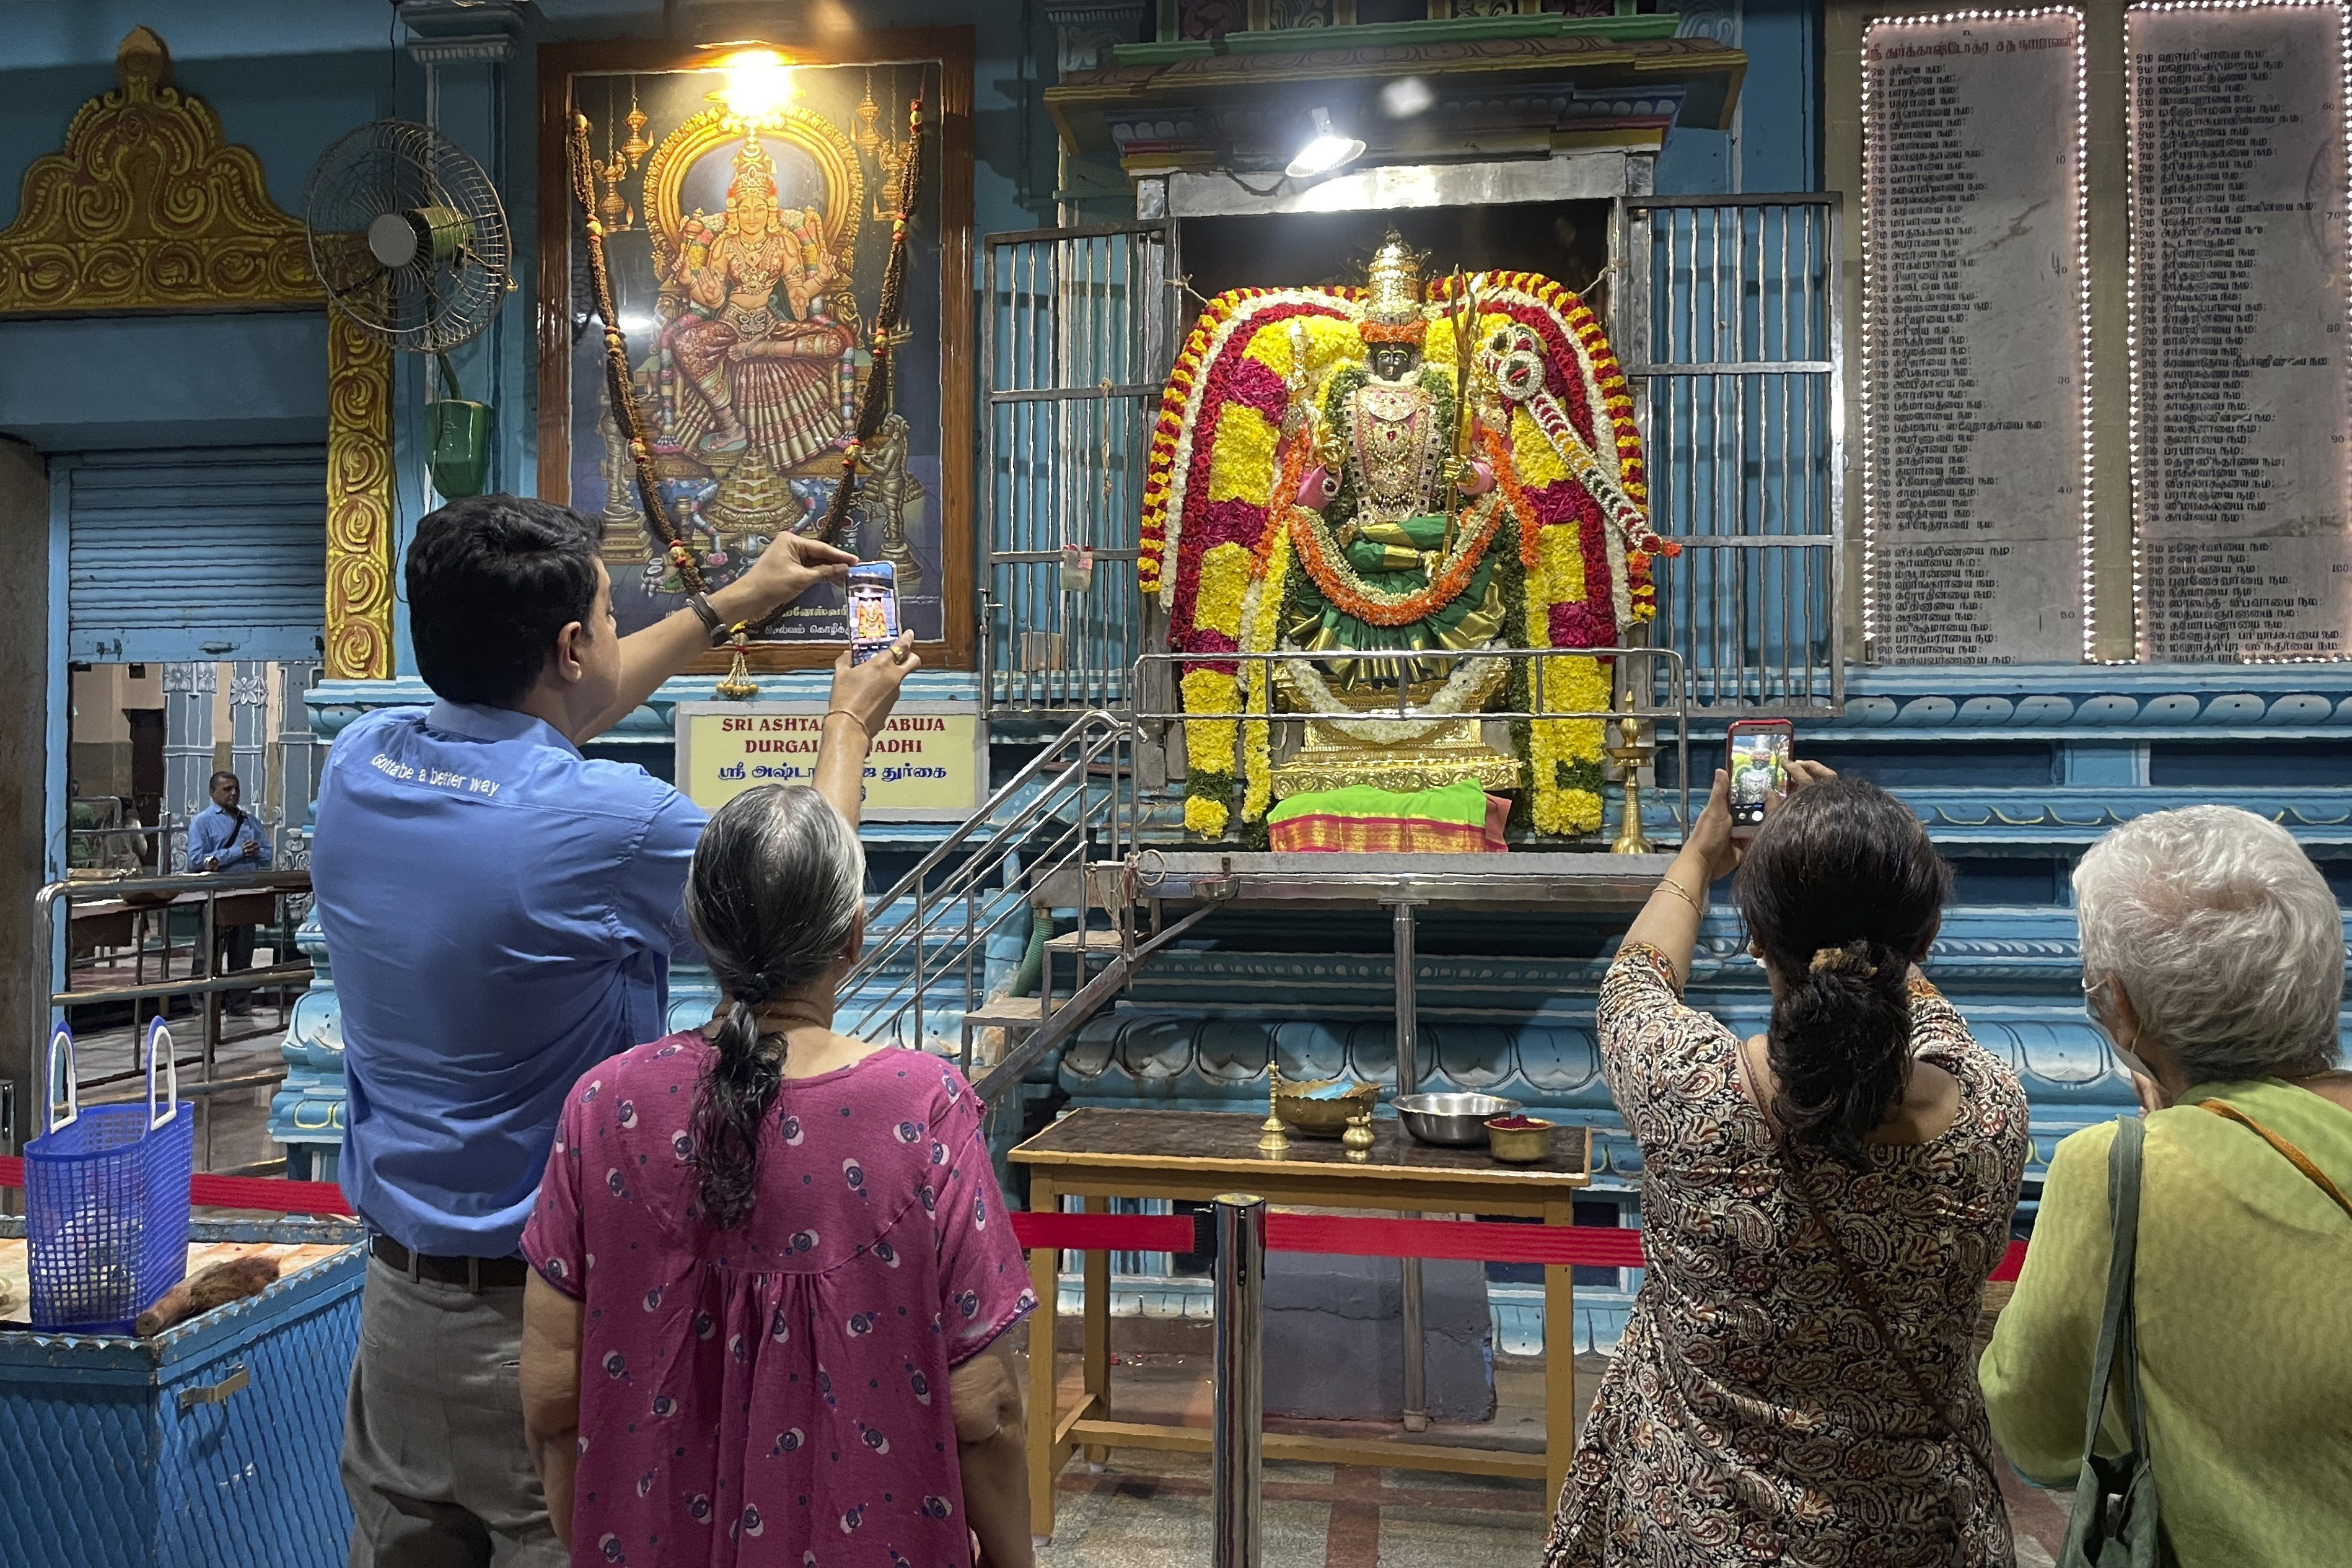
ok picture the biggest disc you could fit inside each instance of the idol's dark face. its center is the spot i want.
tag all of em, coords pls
(1393, 361)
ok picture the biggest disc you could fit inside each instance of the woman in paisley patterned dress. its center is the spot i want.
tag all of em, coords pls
(1755, 1412)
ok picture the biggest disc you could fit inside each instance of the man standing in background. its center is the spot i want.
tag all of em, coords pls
(224, 839)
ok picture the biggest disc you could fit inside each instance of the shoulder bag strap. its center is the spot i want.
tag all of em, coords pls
(1863, 1295)
(2116, 1317)
(2295, 1156)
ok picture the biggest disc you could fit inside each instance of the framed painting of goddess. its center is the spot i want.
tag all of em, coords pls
(748, 197)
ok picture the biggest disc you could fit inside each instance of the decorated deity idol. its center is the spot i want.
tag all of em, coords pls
(1386, 458)
(1379, 473)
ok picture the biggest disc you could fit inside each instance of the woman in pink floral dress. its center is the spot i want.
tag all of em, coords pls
(1821, 1207)
(772, 1264)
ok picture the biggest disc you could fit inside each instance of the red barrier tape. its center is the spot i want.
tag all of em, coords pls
(1596, 1246)
(1604, 1246)
(238, 1192)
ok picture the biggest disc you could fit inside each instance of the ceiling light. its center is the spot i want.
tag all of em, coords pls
(1326, 151)
(759, 83)
(1406, 96)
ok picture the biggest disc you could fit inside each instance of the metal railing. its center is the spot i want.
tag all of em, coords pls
(1664, 698)
(1237, 1423)
(1730, 328)
(163, 894)
(1075, 803)
(1026, 848)
(61, 846)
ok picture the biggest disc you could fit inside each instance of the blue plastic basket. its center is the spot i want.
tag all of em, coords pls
(106, 1198)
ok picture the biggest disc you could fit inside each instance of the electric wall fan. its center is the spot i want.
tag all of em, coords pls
(410, 240)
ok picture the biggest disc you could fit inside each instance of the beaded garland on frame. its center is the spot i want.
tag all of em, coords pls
(1223, 540)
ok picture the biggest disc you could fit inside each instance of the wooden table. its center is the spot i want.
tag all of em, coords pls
(1098, 1154)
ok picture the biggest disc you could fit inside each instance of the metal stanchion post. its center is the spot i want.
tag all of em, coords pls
(1237, 1449)
(1407, 1042)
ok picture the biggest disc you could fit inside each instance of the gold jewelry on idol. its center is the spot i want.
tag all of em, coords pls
(1392, 312)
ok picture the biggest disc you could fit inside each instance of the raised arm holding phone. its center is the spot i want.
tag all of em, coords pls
(500, 911)
(1822, 1203)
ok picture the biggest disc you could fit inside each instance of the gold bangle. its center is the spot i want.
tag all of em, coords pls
(845, 713)
(1668, 885)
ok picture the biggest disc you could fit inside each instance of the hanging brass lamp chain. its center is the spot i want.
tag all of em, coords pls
(620, 389)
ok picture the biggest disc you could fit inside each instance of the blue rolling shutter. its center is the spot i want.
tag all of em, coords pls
(197, 555)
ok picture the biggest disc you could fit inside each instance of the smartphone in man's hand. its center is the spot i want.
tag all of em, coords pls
(873, 609)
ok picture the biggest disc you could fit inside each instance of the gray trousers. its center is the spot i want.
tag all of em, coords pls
(433, 1446)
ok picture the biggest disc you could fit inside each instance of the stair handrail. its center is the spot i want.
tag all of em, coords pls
(1068, 758)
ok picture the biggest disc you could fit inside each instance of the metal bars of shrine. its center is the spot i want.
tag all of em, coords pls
(1729, 323)
(1075, 347)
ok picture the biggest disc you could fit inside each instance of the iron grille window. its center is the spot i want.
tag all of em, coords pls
(1729, 327)
(1075, 342)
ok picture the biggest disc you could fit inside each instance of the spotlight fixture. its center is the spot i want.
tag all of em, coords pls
(1327, 150)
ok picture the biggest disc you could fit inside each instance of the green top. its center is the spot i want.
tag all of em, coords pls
(2243, 1296)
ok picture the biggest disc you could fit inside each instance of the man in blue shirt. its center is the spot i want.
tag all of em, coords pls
(223, 838)
(500, 912)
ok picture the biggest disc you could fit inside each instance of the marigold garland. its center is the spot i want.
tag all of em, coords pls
(1321, 555)
(1225, 573)
(1260, 628)
(1241, 456)
(1204, 814)
(1574, 580)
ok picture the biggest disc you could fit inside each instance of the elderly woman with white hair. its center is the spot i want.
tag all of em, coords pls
(2213, 961)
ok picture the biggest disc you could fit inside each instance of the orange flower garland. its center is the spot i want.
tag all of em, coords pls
(1308, 536)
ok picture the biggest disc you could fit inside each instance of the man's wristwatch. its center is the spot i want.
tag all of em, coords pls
(719, 631)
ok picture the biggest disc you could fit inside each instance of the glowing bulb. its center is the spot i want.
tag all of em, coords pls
(1326, 151)
(759, 83)
(1406, 96)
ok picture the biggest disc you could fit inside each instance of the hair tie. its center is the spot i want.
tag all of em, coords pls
(1841, 960)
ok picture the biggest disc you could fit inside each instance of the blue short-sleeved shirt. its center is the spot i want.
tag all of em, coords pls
(499, 913)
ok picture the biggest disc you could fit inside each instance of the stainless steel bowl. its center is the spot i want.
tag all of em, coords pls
(1457, 1121)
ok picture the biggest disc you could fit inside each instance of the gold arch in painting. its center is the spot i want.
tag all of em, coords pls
(148, 208)
(835, 155)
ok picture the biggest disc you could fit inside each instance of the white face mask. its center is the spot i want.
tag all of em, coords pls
(2130, 1063)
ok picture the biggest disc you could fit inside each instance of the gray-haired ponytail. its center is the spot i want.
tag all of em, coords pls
(777, 886)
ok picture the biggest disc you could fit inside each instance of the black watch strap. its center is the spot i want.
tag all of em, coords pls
(719, 630)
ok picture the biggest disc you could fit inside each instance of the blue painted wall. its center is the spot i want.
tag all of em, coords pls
(1776, 144)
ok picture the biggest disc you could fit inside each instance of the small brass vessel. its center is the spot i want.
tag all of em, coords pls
(1359, 1136)
(1522, 1146)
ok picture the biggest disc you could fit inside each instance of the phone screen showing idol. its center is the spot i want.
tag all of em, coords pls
(1759, 771)
(873, 610)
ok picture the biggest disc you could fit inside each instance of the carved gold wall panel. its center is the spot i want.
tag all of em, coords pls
(147, 208)
(358, 503)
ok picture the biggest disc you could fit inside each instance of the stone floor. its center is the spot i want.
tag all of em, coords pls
(231, 1128)
(1144, 1508)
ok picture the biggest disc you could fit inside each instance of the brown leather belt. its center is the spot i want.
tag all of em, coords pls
(474, 1273)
